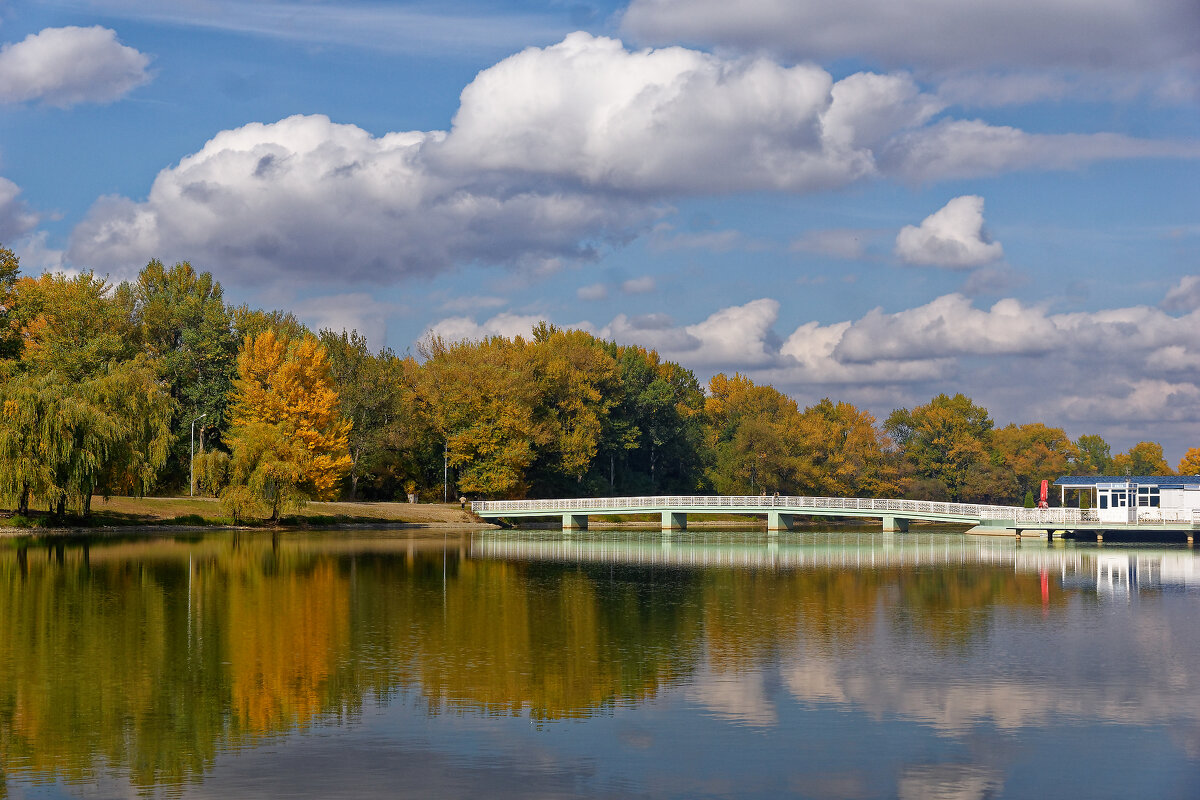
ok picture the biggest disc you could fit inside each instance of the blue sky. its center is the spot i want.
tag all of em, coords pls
(869, 200)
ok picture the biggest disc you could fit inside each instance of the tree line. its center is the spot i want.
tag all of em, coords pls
(157, 385)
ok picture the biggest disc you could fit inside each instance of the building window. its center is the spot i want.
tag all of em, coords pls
(1104, 499)
(1148, 497)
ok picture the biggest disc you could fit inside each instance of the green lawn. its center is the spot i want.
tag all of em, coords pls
(125, 511)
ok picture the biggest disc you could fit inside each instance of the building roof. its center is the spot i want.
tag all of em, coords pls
(1073, 481)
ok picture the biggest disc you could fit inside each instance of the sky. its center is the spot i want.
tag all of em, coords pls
(872, 201)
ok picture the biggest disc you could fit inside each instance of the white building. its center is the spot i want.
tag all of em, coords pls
(1137, 498)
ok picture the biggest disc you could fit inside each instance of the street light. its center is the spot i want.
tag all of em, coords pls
(192, 457)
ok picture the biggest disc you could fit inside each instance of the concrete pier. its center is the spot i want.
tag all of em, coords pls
(778, 521)
(893, 524)
(674, 521)
(575, 522)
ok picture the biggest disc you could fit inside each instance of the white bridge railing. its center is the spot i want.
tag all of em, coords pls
(760, 504)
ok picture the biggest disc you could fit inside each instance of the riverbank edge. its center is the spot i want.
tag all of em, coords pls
(150, 530)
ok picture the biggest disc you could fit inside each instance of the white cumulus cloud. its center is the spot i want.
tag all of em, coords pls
(1185, 295)
(951, 237)
(67, 66)
(1027, 49)
(15, 217)
(309, 197)
(554, 153)
(457, 329)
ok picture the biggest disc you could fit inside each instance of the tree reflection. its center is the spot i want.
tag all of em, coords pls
(152, 657)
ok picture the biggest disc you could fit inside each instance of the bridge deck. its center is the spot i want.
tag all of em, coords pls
(780, 510)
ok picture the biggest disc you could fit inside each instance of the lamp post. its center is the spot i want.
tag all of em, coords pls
(192, 457)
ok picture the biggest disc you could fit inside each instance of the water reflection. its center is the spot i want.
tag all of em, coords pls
(156, 659)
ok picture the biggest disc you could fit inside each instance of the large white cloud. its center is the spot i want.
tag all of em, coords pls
(589, 110)
(331, 202)
(1041, 41)
(67, 66)
(553, 152)
(951, 237)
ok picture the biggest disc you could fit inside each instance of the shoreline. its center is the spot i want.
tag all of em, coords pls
(150, 529)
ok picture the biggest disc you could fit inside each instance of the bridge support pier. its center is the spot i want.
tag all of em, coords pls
(892, 524)
(777, 521)
(575, 522)
(674, 521)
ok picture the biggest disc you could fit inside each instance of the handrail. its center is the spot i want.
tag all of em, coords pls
(795, 504)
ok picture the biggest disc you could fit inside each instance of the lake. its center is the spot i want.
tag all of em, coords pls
(541, 664)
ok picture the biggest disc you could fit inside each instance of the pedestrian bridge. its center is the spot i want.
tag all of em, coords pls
(781, 511)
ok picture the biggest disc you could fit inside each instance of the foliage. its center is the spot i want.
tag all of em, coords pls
(655, 433)
(72, 326)
(376, 396)
(287, 437)
(182, 321)
(943, 439)
(250, 322)
(1190, 463)
(578, 387)
(1033, 453)
(83, 412)
(1093, 456)
(100, 385)
(212, 471)
(754, 437)
(483, 405)
(10, 340)
(849, 455)
(1144, 458)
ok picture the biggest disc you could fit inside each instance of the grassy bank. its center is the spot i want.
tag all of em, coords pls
(204, 511)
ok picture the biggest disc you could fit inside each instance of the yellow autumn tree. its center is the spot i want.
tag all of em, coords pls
(1190, 463)
(288, 440)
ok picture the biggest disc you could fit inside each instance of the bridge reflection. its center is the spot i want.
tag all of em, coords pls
(1114, 572)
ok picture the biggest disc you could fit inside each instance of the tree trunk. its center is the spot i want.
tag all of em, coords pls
(23, 501)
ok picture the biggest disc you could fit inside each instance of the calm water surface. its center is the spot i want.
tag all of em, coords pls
(534, 664)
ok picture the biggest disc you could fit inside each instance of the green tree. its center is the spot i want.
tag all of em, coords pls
(1093, 456)
(754, 437)
(82, 413)
(253, 321)
(183, 322)
(656, 432)
(73, 325)
(579, 385)
(943, 439)
(10, 269)
(376, 395)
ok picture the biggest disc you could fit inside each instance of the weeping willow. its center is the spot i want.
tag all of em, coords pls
(61, 441)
